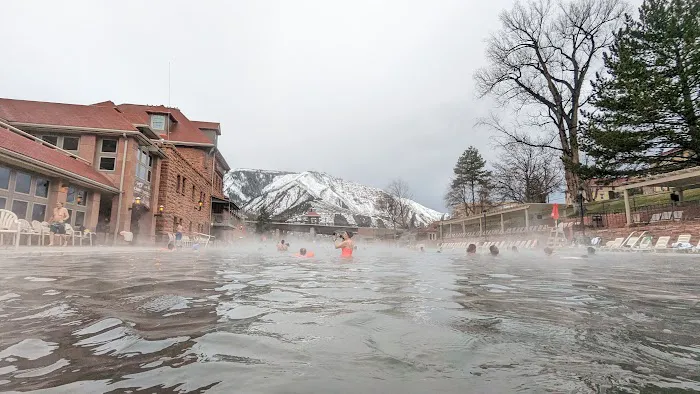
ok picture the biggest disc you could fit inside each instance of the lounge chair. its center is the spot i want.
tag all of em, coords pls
(655, 218)
(662, 243)
(613, 245)
(646, 244)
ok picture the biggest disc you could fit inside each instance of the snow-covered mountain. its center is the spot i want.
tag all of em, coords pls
(288, 196)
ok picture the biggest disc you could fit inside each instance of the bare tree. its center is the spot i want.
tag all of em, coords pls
(395, 203)
(458, 196)
(525, 174)
(541, 58)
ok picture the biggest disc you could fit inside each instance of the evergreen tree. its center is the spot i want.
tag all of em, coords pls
(648, 101)
(262, 225)
(469, 172)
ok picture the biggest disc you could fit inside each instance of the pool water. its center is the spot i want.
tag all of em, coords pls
(253, 320)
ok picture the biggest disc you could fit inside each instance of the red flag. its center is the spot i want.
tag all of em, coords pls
(555, 212)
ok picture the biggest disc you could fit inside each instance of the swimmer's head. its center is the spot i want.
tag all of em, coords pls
(590, 250)
(471, 249)
(282, 242)
(302, 251)
(548, 251)
(493, 249)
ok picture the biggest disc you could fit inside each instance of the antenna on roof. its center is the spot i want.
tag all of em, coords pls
(167, 122)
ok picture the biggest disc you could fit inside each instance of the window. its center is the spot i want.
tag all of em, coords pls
(190, 228)
(108, 154)
(184, 181)
(79, 219)
(42, 187)
(175, 223)
(107, 163)
(76, 196)
(4, 178)
(177, 189)
(51, 139)
(39, 212)
(109, 146)
(158, 122)
(23, 182)
(143, 165)
(20, 208)
(64, 142)
(76, 204)
(71, 143)
(28, 196)
(193, 193)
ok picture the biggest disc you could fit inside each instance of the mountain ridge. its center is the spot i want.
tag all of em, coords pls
(289, 195)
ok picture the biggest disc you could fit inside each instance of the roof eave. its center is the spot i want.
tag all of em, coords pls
(31, 163)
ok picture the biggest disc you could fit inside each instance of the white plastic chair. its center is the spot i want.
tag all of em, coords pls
(73, 233)
(9, 224)
(43, 231)
(26, 229)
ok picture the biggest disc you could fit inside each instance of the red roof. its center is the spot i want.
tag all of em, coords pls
(312, 213)
(181, 130)
(208, 126)
(58, 114)
(32, 149)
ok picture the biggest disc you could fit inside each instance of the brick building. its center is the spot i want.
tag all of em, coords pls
(151, 167)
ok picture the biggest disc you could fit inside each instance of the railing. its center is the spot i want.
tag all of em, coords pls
(224, 219)
(649, 214)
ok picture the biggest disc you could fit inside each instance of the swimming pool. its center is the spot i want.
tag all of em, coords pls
(253, 320)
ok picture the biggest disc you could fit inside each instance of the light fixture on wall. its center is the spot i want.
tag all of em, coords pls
(160, 210)
(136, 203)
(200, 205)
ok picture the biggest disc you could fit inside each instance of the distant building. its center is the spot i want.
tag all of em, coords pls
(312, 217)
(116, 168)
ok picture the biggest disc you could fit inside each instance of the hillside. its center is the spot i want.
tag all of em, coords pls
(288, 196)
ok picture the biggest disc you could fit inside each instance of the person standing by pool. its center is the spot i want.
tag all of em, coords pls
(58, 224)
(178, 235)
(345, 244)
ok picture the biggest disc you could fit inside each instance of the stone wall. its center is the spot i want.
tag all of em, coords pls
(178, 204)
(672, 229)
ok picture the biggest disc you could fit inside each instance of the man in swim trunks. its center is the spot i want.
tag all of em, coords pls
(58, 225)
(345, 244)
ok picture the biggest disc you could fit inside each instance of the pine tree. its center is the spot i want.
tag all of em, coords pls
(648, 101)
(469, 172)
(262, 225)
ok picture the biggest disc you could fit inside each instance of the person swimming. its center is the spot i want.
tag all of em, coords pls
(345, 244)
(471, 249)
(304, 253)
(282, 246)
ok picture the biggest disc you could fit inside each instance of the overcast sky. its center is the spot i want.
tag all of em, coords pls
(366, 90)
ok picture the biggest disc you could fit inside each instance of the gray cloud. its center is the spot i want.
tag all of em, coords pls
(365, 90)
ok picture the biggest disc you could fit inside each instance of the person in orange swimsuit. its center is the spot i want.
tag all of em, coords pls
(345, 244)
(304, 253)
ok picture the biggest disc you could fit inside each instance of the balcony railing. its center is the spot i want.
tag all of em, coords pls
(224, 219)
